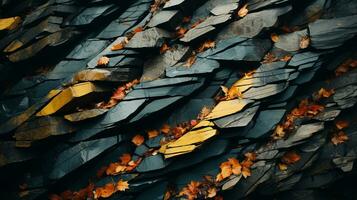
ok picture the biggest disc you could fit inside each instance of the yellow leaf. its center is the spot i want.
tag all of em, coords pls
(304, 42)
(103, 61)
(122, 185)
(274, 37)
(243, 11)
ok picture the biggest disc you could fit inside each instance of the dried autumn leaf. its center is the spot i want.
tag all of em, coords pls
(325, 93)
(122, 185)
(243, 11)
(315, 109)
(164, 48)
(283, 166)
(138, 29)
(286, 58)
(180, 32)
(120, 45)
(190, 61)
(191, 190)
(339, 138)
(304, 42)
(290, 157)
(279, 132)
(138, 140)
(226, 169)
(105, 191)
(269, 58)
(236, 167)
(125, 159)
(342, 124)
(212, 192)
(345, 66)
(165, 129)
(219, 177)
(193, 122)
(206, 45)
(246, 172)
(204, 112)
(274, 37)
(234, 93)
(153, 133)
(250, 156)
(103, 61)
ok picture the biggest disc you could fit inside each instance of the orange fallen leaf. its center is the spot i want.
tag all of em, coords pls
(286, 58)
(339, 138)
(290, 157)
(243, 11)
(274, 37)
(180, 32)
(206, 45)
(105, 191)
(250, 156)
(246, 172)
(279, 132)
(191, 190)
(165, 129)
(304, 42)
(138, 29)
(125, 159)
(204, 112)
(153, 133)
(103, 61)
(122, 185)
(164, 48)
(190, 61)
(342, 124)
(325, 93)
(138, 140)
(346, 66)
(226, 169)
(212, 192)
(120, 45)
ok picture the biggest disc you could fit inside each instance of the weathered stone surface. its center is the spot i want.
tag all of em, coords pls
(239, 119)
(79, 154)
(155, 68)
(151, 163)
(83, 115)
(150, 38)
(252, 24)
(201, 66)
(323, 37)
(291, 41)
(264, 91)
(250, 50)
(204, 27)
(265, 121)
(224, 9)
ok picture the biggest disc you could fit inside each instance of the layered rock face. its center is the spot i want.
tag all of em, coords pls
(178, 99)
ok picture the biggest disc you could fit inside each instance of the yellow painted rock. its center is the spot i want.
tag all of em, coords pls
(68, 95)
(9, 23)
(225, 108)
